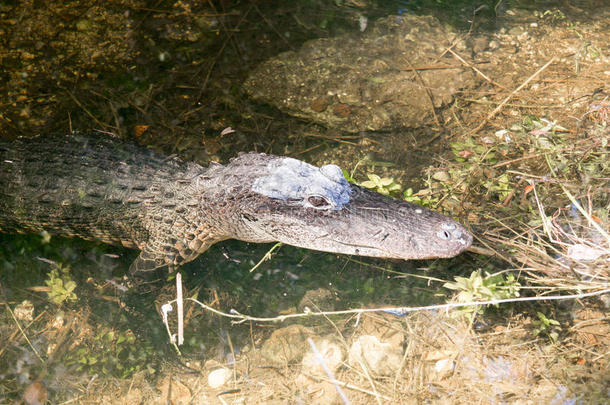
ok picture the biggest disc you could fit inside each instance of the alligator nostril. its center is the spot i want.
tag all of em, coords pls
(443, 235)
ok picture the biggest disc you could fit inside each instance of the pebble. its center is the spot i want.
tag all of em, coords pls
(219, 377)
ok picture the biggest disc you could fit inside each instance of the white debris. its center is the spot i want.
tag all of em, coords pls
(219, 377)
(584, 253)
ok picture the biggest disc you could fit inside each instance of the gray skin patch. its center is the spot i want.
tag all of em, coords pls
(322, 188)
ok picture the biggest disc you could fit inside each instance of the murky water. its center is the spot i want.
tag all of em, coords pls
(173, 80)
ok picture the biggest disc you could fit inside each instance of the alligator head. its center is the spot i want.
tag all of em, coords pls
(287, 200)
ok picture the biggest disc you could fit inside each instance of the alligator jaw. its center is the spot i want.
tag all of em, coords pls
(399, 230)
(463, 242)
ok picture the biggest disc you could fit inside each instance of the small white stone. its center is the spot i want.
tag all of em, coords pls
(444, 366)
(500, 134)
(441, 176)
(163, 56)
(24, 311)
(219, 377)
(58, 322)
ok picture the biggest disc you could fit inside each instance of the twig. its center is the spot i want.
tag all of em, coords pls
(397, 274)
(516, 105)
(501, 105)
(78, 103)
(220, 52)
(267, 256)
(436, 67)
(180, 308)
(266, 20)
(329, 373)
(240, 318)
(166, 309)
(8, 307)
(349, 386)
(471, 66)
(585, 214)
(370, 379)
(423, 84)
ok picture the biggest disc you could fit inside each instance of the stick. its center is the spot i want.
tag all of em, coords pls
(499, 107)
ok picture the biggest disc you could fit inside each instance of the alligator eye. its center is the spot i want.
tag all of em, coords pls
(317, 201)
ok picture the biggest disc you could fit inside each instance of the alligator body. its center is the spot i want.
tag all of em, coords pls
(102, 189)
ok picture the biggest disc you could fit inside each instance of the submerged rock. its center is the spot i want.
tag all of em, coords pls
(329, 352)
(317, 300)
(286, 345)
(365, 81)
(380, 358)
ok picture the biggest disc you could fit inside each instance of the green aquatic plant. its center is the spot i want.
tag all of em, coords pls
(476, 170)
(409, 196)
(112, 353)
(383, 185)
(546, 326)
(499, 186)
(61, 285)
(479, 288)
(471, 152)
(349, 176)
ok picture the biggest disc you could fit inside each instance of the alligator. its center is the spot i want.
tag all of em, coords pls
(116, 192)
